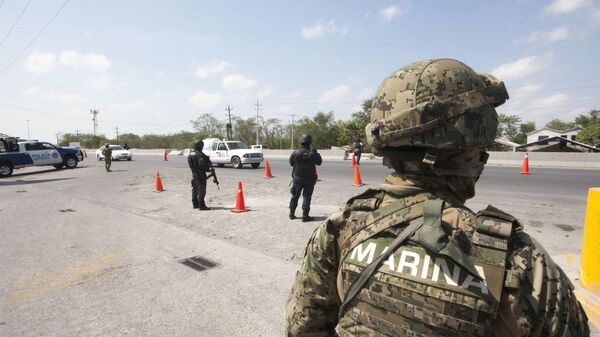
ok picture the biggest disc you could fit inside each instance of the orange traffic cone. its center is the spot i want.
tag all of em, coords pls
(353, 159)
(525, 169)
(357, 178)
(159, 186)
(240, 206)
(165, 156)
(268, 174)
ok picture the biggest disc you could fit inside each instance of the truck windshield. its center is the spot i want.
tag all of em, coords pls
(237, 146)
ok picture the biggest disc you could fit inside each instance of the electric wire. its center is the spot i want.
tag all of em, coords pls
(14, 23)
(2, 3)
(34, 39)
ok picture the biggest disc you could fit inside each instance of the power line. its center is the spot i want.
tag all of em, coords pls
(34, 39)
(14, 23)
(2, 3)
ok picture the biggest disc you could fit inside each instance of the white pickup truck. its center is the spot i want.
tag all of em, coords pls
(231, 152)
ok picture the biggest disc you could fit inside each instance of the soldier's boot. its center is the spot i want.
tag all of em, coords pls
(204, 208)
(292, 214)
(195, 205)
(305, 216)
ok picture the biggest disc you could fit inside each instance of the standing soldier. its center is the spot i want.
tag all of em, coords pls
(199, 164)
(304, 176)
(410, 259)
(358, 151)
(107, 153)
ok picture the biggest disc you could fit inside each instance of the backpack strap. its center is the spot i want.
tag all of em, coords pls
(432, 216)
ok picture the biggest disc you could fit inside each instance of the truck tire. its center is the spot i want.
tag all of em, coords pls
(71, 162)
(255, 165)
(58, 166)
(6, 169)
(236, 162)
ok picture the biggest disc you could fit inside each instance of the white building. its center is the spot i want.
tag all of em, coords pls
(545, 133)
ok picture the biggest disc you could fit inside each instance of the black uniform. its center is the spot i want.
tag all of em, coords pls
(199, 164)
(357, 151)
(304, 161)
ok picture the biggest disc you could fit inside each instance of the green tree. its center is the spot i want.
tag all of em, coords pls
(508, 126)
(593, 117)
(590, 135)
(244, 130)
(208, 125)
(560, 125)
(524, 129)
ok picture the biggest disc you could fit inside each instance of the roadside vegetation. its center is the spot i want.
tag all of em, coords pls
(326, 130)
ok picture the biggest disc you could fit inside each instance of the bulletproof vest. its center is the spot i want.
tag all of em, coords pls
(304, 163)
(197, 162)
(421, 290)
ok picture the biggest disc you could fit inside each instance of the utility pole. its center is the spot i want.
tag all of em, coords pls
(117, 131)
(293, 130)
(258, 105)
(229, 126)
(95, 112)
(28, 136)
(77, 135)
(57, 137)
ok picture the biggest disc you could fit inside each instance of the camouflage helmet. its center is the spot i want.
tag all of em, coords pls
(439, 104)
(306, 139)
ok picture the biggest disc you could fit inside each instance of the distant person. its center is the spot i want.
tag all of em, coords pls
(358, 146)
(107, 153)
(304, 161)
(199, 163)
(126, 147)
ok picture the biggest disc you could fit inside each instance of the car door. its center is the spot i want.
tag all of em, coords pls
(221, 156)
(43, 153)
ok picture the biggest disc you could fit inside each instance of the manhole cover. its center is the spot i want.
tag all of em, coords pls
(66, 210)
(198, 263)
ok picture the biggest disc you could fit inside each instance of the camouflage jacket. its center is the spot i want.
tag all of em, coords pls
(107, 153)
(535, 297)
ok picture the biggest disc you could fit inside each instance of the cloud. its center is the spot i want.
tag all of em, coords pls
(40, 63)
(203, 99)
(549, 102)
(127, 107)
(334, 94)
(525, 91)
(322, 28)
(566, 6)
(94, 62)
(64, 97)
(555, 35)
(266, 92)
(365, 94)
(238, 82)
(212, 68)
(100, 81)
(520, 68)
(391, 12)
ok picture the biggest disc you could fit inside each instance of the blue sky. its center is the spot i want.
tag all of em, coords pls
(152, 66)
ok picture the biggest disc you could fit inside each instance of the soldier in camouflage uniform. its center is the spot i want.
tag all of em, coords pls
(410, 259)
(107, 153)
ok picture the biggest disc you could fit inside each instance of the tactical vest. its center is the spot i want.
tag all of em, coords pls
(419, 291)
(304, 163)
(197, 162)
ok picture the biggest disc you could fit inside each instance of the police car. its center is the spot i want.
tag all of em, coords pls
(15, 154)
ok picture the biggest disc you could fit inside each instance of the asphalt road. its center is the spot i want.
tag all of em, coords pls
(89, 253)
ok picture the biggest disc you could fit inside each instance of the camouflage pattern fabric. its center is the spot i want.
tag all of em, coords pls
(439, 103)
(533, 296)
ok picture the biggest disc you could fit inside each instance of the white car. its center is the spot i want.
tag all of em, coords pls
(118, 153)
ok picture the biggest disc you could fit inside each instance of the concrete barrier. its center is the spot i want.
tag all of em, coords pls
(513, 159)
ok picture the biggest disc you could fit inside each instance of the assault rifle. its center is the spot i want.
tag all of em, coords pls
(213, 174)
